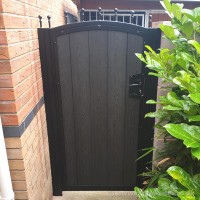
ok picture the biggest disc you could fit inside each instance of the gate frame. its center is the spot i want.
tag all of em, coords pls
(53, 101)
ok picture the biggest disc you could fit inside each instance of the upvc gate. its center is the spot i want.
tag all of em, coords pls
(95, 92)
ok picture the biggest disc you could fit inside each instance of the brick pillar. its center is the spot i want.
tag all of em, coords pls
(21, 93)
(161, 90)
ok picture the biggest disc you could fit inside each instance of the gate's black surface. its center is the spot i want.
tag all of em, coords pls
(95, 119)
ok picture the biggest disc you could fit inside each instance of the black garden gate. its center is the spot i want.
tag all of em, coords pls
(95, 92)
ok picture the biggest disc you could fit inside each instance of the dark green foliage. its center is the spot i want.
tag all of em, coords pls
(181, 186)
(179, 117)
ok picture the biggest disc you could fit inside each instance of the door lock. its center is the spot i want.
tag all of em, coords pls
(136, 85)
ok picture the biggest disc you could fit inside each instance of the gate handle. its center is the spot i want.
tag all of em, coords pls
(136, 86)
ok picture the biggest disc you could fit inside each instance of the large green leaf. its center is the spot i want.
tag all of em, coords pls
(173, 99)
(169, 31)
(194, 118)
(196, 180)
(187, 82)
(196, 14)
(183, 83)
(186, 195)
(166, 185)
(155, 74)
(140, 193)
(153, 58)
(189, 14)
(174, 103)
(196, 153)
(189, 134)
(151, 102)
(177, 10)
(187, 57)
(195, 97)
(151, 50)
(154, 194)
(177, 173)
(195, 44)
(190, 107)
(141, 57)
(157, 114)
(184, 59)
(164, 100)
(167, 5)
(188, 28)
(153, 62)
(169, 107)
(165, 54)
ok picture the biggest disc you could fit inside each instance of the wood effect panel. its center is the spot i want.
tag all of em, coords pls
(100, 120)
(70, 173)
(81, 93)
(99, 100)
(117, 45)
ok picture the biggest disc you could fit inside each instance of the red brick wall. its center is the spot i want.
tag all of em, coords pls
(21, 91)
(29, 161)
(20, 74)
(157, 17)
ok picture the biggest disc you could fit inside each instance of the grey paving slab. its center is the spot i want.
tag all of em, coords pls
(97, 195)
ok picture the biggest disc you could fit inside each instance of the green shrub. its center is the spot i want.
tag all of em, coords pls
(179, 117)
(183, 187)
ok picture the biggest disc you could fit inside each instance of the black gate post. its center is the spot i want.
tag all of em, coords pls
(45, 47)
(146, 126)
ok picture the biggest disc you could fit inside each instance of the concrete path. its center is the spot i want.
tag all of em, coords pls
(100, 195)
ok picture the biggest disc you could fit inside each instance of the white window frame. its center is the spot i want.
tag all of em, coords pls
(120, 13)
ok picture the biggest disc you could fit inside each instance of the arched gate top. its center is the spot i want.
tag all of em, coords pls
(101, 25)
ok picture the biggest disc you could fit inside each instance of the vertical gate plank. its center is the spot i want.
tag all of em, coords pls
(99, 95)
(67, 109)
(81, 91)
(134, 66)
(117, 46)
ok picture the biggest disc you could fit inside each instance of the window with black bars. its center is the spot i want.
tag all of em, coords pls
(122, 16)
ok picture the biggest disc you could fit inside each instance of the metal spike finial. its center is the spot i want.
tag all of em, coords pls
(132, 17)
(150, 21)
(49, 20)
(116, 12)
(66, 17)
(99, 13)
(82, 13)
(40, 20)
